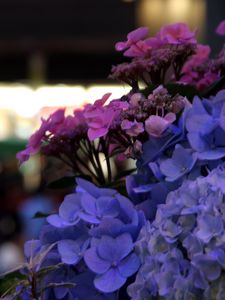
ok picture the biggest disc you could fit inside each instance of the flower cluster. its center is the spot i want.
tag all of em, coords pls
(173, 55)
(183, 250)
(91, 241)
(170, 233)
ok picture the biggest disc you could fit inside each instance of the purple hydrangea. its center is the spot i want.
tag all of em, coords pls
(113, 262)
(183, 250)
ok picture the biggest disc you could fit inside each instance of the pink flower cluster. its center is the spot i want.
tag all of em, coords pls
(173, 55)
(136, 45)
(122, 125)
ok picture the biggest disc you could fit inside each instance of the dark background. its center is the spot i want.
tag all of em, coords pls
(73, 39)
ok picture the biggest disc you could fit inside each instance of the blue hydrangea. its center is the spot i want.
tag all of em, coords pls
(113, 260)
(93, 234)
(205, 127)
(183, 250)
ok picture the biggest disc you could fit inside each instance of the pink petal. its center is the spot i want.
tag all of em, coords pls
(156, 125)
(96, 133)
(120, 46)
(221, 28)
(138, 34)
(170, 117)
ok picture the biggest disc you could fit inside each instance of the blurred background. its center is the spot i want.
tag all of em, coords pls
(57, 53)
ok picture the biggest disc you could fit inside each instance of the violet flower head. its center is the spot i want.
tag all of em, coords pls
(113, 262)
(177, 33)
(183, 251)
(181, 163)
(68, 212)
(205, 128)
(132, 128)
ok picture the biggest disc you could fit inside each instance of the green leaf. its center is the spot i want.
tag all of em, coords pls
(45, 271)
(9, 282)
(62, 183)
(148, 90)
(185, 90)
(68, 285)
(40, 215)
(214, 88)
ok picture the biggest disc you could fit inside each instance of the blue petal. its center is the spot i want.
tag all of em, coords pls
(94, 262)
(58, 222)
(129, 265)
(114, 250)
(110, 281)
(107, 206)
(197, 142)
(208, 266)
(170, 170)
(108, 226)
(70, 251)
(203, 124)
(88, 204)
(212, 154)
(89, 218)
(86, 186)
(70, 208)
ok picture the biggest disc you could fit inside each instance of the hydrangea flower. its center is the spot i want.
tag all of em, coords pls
(205, 130)
(183, 250)
(156, 125)
(181, 163)
(90, 207)
(177, 33)
(113, 261)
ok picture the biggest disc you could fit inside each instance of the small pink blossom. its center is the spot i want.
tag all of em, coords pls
(134, 45)
(99, 121)
(221, 28)
(117, 104)
(201, 55)
(132, 128)
(47, 126)
(99, 118)
(132, 38)
(154, 42)
(156, 125)
(137, 50)
(135, 99)
(34, 143)
(207, 80)
(177, 33)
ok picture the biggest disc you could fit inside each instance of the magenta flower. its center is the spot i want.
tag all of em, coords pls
(137, 50)
(34, 143)
(134, 45)
(221, 28)
(177, 33)
(50, 125)
(132, 128)
(132, 38)
(99, 118)
(156, 125)
(99, 121)
(201, 55)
